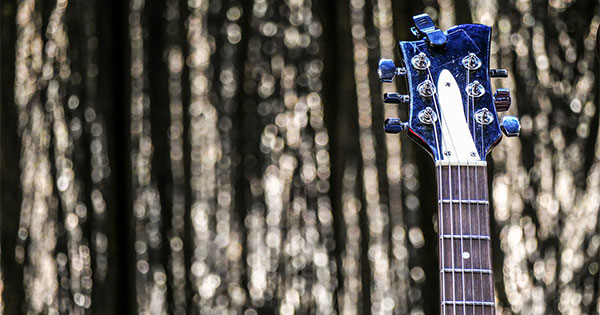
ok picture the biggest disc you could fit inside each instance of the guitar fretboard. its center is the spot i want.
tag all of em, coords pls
(466, 280)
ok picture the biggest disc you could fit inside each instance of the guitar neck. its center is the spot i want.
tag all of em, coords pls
(466, 280)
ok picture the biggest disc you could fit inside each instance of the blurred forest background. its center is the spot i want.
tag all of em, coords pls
(228, 157)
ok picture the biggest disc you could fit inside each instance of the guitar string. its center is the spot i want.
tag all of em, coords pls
(482, 231)
(438, 111)
(439, 146)
(468, 104)
(489, 255)
(441, 218)
(479, 232)
(471, 108)
(481, 258)
(472, 105)
(460, 222)
(459, 256)
(441, 226)
(491, 292)
(441, 214)
(451, 197)
(470, 197)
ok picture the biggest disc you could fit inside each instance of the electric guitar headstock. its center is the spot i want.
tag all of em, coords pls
(452, 113)
(454, 116)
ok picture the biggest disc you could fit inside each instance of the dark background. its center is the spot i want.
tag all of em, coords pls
(118, 86)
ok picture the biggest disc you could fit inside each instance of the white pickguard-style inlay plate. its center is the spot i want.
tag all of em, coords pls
(457, 143)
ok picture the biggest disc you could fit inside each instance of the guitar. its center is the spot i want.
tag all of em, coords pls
(453, 115)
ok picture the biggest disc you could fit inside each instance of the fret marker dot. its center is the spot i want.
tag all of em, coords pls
(466, 255)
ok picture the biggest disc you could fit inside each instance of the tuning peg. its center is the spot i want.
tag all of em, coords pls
(387, 70)
(502, 100)
(498, 73)
(395, 98)
(394, 125)
(510, 126)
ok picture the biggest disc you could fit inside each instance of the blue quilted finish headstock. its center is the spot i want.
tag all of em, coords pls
(452, 113)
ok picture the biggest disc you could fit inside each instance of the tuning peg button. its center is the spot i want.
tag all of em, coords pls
(394, 125)
(387, 70)
(502, 100)
(395, 98)
(498, 73)
(510, 126)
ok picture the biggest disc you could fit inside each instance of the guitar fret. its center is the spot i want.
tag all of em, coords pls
(478, 303)
(463, 201)
(466, 237)
(457, 270)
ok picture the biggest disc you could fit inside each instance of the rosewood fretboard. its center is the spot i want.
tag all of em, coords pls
(466, 281)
